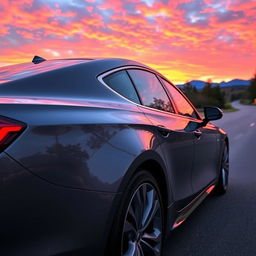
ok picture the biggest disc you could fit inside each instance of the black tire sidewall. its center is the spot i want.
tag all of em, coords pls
(219, 188)
(115, 236)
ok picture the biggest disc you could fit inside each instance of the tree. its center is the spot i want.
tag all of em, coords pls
(207, 90)
(193, 94)
(208, 96)
(218, 96)
(188, 90)
(213, 95)
(252, 89)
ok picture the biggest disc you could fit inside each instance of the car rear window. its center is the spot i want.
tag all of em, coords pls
(121, 83)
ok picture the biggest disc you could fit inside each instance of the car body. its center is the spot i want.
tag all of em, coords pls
(79, 131)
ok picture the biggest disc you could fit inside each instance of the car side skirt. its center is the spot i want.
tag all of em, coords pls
(187, 210)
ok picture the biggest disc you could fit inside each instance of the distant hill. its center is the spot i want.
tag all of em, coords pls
(198, 84)
(235, 82)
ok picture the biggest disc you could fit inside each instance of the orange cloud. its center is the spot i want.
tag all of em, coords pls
(185, 39)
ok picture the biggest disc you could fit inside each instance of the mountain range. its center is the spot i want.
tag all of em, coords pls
(198, 84)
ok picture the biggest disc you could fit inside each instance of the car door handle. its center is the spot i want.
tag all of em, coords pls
(198, 133)
(164, 132)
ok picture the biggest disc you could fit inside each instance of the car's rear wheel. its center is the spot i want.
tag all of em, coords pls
(138, 230)
(222, 184)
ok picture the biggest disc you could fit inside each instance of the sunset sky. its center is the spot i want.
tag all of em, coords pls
(183, 39)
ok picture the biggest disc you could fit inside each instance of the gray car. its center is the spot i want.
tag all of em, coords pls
(100, 157)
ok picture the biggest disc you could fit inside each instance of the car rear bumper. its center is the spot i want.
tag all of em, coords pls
(40, 218)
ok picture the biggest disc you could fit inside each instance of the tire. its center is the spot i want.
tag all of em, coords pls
(138, 228)
(222, 184)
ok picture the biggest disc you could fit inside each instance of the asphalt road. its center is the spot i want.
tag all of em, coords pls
(226, 225)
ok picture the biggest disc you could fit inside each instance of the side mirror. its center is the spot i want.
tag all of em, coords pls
(211, 113)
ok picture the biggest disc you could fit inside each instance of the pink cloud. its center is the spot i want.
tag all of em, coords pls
(177, 38)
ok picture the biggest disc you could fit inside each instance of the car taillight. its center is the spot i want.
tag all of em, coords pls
(9, 130)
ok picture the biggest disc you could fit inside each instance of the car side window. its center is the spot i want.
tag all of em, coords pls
(151, 92)
(183, 106)
(121, 83)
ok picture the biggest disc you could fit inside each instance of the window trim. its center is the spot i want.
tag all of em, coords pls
(158, 75)
(127, 74)
(103, 75)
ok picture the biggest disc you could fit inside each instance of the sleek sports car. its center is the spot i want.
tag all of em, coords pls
(100, 157)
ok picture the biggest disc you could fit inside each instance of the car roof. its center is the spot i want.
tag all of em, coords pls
(24, 70)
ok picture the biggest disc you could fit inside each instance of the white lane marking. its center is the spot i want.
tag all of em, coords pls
(252, 124)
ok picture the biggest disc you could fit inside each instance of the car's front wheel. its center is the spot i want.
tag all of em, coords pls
(138, 230)
(222, 184)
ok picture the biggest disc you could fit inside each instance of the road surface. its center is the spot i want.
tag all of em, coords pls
(226, 225)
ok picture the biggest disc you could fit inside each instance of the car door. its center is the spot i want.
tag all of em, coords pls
(205, 153)
(177, 144)
(205, 169)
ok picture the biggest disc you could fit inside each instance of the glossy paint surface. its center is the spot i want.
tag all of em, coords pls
(63, 177)
(40, 218)
(29, 69)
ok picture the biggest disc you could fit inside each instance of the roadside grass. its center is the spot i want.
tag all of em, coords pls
(229, 108)
(247, 102)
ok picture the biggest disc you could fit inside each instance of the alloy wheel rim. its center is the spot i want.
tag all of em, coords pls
(142, 230)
